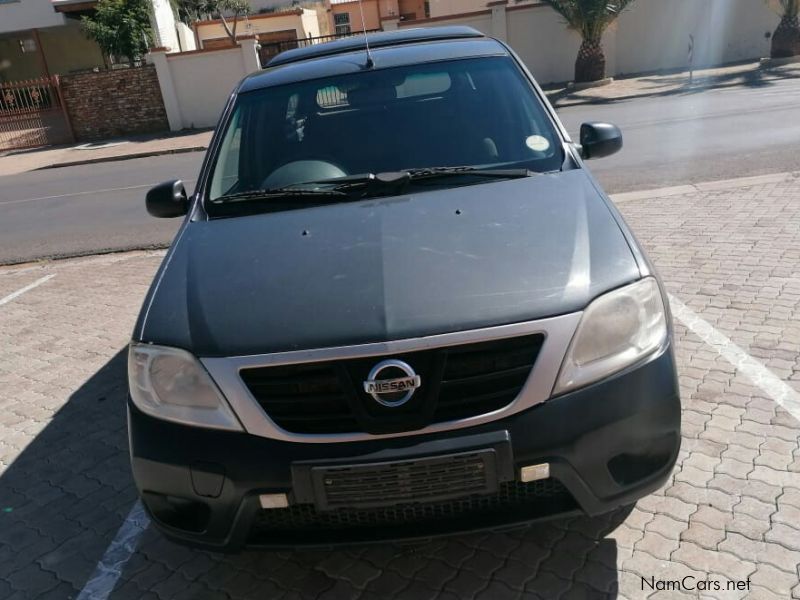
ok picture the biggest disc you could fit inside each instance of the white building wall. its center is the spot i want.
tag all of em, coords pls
(185, 37)
(196, 85)
(201, 103)
(547, 48)
(482, 22)
(443, 8)
(652, 35)
(163, 23)
(28, 14)
(310, 23)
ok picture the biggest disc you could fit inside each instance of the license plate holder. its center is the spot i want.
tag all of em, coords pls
(497, 444)
(427, 479)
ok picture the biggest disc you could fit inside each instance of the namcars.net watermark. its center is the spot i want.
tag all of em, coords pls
(690, 583)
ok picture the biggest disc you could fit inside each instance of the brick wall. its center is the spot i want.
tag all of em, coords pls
(114, 103)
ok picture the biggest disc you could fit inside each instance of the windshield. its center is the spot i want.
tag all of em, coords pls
(465, 113)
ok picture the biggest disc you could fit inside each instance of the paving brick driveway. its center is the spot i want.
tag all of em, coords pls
(731, 511)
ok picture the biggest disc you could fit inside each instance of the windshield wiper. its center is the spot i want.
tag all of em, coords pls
(287, 193)
(377, 183)
(443, 172)
(372, 184)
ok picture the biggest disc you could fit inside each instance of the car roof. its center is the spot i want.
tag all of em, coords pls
(376, 40)
(388, 49)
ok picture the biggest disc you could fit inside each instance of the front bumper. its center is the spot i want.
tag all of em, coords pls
(608, 445)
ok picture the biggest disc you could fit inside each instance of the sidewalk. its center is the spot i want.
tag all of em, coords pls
(751, 74)
(102, 151)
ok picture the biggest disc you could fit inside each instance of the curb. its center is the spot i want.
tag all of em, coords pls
(708, 186)
(15, 265)
(68, 260)
(587, 85)
(768, 63)
(102, 159)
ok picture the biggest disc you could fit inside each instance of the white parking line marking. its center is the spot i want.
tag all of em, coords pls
(782, 393)
(86, 193)
(27, 288)
(108, 570)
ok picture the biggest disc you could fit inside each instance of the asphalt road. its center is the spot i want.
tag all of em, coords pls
(707, 136)
(669, 140)
(89, 208)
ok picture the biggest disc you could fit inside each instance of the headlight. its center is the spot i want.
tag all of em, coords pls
(616, 330)
(171, 384)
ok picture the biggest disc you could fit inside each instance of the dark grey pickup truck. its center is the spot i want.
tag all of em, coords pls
(399, 306)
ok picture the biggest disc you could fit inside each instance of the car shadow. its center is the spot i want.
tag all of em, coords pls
(66, 495)
(63, 497)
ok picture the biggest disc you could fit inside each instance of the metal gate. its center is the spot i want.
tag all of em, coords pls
(270, 49)
(32, 113)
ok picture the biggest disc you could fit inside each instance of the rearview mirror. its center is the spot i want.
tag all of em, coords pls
(600, 139)
(167, 200)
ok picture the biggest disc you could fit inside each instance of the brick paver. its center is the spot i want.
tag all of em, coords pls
(730, 512)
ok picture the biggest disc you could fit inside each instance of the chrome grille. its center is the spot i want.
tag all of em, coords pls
(457, 382)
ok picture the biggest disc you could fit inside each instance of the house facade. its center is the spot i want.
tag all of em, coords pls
(167, 31)
(454, 8)
(39, 38)
(346, 14)
(272, 27)
(36, 41)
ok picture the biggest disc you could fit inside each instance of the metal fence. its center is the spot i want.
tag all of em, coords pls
(25, 96)
(32, 114)
(271, 49)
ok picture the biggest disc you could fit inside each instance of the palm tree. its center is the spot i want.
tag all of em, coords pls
(786, 39)
(590, 18)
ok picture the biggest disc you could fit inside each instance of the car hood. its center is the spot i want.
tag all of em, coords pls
(390, 268)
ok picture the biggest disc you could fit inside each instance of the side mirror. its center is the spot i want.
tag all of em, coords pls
(167, 200)
(600, 139)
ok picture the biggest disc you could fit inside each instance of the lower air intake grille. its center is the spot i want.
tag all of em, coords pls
(512, 502)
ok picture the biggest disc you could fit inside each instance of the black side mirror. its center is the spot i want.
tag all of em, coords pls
(167, 200)
(600, 139)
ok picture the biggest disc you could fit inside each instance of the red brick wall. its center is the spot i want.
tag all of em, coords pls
(114, 103)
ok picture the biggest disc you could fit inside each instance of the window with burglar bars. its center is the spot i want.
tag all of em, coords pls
(342, 23)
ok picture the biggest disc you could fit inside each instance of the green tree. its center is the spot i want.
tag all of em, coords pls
(120, 27)
(228, 11)
(590, 18)
(786, 39)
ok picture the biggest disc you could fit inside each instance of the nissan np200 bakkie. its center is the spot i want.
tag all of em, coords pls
(398, 306)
